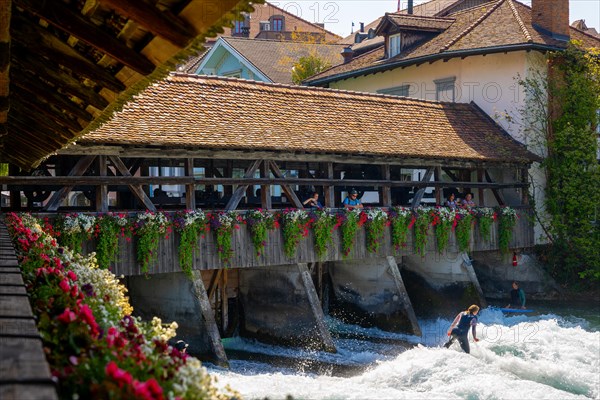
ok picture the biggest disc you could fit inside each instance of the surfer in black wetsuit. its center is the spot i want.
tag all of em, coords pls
(460, 328)
(517, 297)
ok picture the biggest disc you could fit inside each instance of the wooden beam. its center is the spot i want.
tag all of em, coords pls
(35, 87)
(41, 131)
(481, 193)
(78, 170)
(158, 22)
(5, 56)
(102, 190)
(183, 180)
(421, 191)
(404, 160)
(329, 190)
(499, 197)
(214, 281)
(265, 190)
(240, 190)
(60, 79)
(135, 188)
(450, 174)
(46, 110)
(62, 17)
(437, 176)
(386, 191)
(190, 188)
(39, 41)
(289, 192)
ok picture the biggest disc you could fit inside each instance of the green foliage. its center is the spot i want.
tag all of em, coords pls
(507, 218)
(376, 222)
(443, 221)
(223, 224)
(308, 66)
(109, 229)
(190, 224)
(150, 227)
(323, 225)
(401, 219)
(463, 229)
(293, 228)
(349, 227)
(3, 169)
(260, 222)
(421, 227)
(485, 219)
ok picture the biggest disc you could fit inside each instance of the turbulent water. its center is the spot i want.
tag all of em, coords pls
(544, 356)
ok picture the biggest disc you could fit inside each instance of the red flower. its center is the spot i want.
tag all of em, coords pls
(64, 286)
(122, 377)
(72, 276)
(67, 316)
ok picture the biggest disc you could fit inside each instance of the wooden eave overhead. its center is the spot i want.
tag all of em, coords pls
(66, 66)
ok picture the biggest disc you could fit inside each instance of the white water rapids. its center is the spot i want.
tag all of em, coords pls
(518, 357)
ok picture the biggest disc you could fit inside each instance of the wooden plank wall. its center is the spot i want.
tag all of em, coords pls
(24, 372)
(206, 257)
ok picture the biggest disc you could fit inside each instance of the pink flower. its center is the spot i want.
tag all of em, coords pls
(67, 316)
(86, 314)
(72, 276)
(64, 286)
(122, 377)
(148, 390)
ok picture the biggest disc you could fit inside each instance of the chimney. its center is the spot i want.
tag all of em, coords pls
(362, 27)
(409, 9)
(348, 54)
(551, 17)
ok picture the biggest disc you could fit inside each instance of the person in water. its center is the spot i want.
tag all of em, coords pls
(517, 297)
(459, 329)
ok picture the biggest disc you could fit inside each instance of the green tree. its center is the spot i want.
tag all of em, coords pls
(565, 128)
(308, 66)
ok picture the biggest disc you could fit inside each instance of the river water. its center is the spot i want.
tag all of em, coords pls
(545, 355)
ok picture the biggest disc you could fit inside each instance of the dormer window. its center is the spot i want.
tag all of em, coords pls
(394, 45)
(276, 23)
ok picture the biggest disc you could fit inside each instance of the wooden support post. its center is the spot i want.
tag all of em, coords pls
(289, 192)
(408, 308)
(386, 191)
(136, 189)
(497, 194)
(224, 302)
(102, 190)
(265, 190)
(525, 190)
(190, 189)
(228, 190)
(241, 189)
(421, 192)
(214, 282)
(78, 169)
(15, 195)
(438, 191)
(468, 267)
(329, 191)
(481, 193)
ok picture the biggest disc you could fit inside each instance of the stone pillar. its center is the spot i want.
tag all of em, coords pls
(371, 292)
(280, 305)
(173, 297)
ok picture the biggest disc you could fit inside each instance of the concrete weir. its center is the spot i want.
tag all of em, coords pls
(441, 283)
(174, 297)
(371, 292)
(280, 305)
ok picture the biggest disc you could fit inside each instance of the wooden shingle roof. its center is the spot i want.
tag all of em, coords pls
(189, 111)
(502, 25)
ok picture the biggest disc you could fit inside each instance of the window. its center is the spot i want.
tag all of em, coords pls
(237, 27)
(394, 45)
(277, 24)
(444, 89)
(402, 90)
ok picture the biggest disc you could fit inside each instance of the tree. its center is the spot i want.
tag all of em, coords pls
(308, 66)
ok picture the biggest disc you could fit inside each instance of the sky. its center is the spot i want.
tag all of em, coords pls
(338, 15)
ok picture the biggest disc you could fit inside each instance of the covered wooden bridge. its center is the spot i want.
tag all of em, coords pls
(219, 143)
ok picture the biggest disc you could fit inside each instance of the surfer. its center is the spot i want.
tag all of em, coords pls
(517, 297)
(459, 329)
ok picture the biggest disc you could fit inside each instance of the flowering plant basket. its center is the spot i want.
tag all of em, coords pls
(443, 220)
(507, 219)
(75, 229)
(223, 224)
(377, 220)
(109, 228)
(294, 227)
(350, 221)
(401, 219)
(150, 227)
(421, 228)
(485, 218)
(190, 224)
(323, 224)
(260, 222)
(464, 227)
